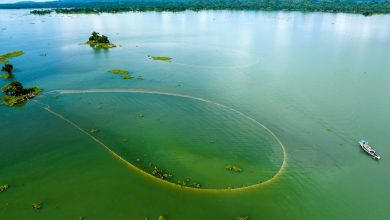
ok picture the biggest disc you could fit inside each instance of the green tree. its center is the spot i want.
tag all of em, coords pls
(95, 36)
(103, 39)
(14, 88)
(7, 68)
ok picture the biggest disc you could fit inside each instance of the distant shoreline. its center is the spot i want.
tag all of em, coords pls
(334, 6)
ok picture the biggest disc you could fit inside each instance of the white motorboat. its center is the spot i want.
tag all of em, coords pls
(367, 148)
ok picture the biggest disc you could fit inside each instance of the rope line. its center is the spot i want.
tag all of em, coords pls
(277, 175)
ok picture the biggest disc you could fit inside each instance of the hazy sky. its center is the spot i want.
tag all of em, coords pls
(13, 1)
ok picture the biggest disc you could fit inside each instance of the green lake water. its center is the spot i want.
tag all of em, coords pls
(238, 83)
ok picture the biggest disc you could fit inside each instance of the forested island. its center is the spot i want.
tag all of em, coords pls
(99, 41)
(15, 93)
(331, 6)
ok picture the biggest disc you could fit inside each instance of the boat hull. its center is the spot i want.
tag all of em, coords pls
(368, 149)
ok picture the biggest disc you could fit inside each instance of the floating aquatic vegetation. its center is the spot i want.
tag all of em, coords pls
(162, 217)
(127, 77)
(118, 71)
(182, 183)
(157, 172)
(37, 205)
(140, 78)
(125, 74)
(328, 129)
(93, 131)
(160, 58)
(242, 218)
(4, 58)
(233, 168)
(12, 54)
(194, 185)
(4, 187)
(6, 76)
(160, 174)
(186, 183)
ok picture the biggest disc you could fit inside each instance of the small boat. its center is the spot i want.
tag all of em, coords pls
(366, 147)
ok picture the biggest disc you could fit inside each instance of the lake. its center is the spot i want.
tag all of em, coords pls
(283, 96)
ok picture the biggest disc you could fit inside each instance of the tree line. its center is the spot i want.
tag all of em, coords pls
(332, 6)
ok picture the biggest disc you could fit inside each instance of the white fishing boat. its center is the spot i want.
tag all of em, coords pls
(366, 147)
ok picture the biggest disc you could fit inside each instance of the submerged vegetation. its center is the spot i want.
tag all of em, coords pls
(15, 93)
(233, 168)
(160, 58)
(98, 41)
(332, 6)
